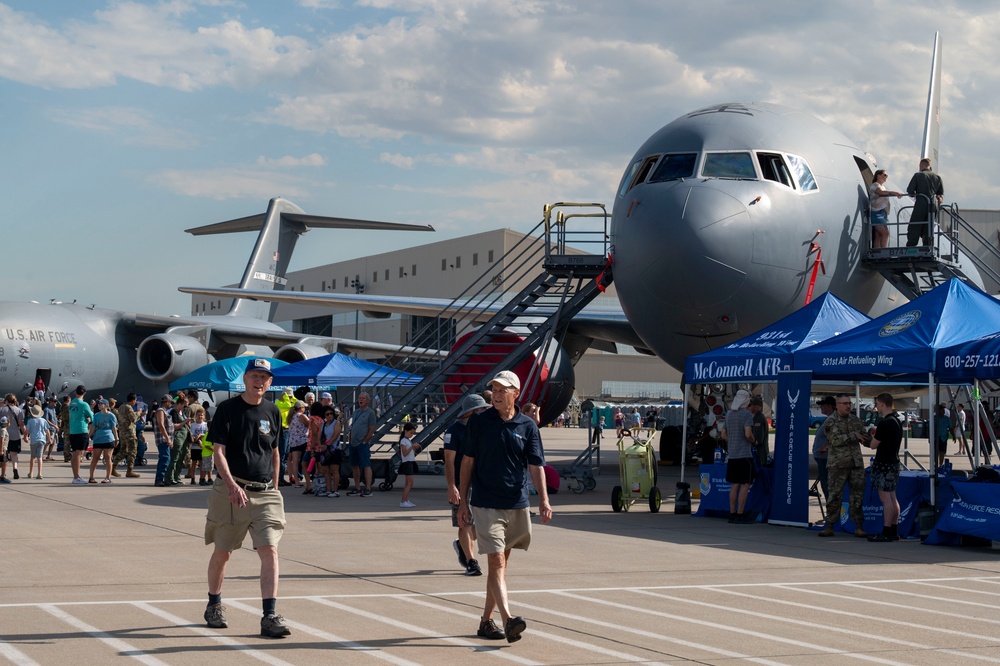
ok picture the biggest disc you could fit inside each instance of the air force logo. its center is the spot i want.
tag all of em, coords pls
(900, 323)
(265, 427)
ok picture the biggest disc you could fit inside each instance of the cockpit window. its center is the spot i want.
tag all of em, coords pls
(772, 167)
(637, 173)
(729, 165)
(803, 174)
(672, 167)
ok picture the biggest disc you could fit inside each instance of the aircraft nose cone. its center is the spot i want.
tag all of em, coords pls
(683, 247)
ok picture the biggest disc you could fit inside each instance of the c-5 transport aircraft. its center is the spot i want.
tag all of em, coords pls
(68, 344)
(715, 228)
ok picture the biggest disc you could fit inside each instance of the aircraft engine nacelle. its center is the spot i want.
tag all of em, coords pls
(297, 352)
(557, 380)
(167, 356)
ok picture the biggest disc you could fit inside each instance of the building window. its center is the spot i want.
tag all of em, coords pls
(401, 273)
(413, 270)
(458, 262)
(374, 276)
(444, 264)
(475, 258)
(489, 257)
(324, 285)
(387, 274)
(333, 284)
(345, 282)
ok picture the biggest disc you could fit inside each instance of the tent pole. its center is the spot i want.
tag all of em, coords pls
(977, 436)
(684, 432)
(857, 399)
(932, 444)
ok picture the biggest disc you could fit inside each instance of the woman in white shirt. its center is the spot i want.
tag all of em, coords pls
(879, 203)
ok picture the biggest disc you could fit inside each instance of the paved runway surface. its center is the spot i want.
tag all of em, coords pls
(98, 574)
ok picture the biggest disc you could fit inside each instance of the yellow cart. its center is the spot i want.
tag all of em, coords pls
(637, 469)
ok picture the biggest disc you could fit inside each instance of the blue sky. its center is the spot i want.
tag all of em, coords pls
(124, 123)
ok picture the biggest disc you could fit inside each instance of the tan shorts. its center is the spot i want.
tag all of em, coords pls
(227, 525)
(498, 530)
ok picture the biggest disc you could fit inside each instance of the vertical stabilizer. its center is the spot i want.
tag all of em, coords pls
(932, 121)
(268, 262)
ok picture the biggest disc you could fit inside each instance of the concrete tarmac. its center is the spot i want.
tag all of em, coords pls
(115, 573)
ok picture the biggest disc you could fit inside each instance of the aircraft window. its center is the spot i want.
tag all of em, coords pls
(629, 177)
(729, 165)
(639, 171)
(772, 167)
(672, 167)
(803, 174)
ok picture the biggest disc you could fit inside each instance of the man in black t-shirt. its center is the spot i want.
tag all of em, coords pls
(245, 431)
(885, 470)
(453, 440)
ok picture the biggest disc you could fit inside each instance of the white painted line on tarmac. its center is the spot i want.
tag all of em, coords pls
(241, 648)
(725, 627)
(649, 634)
(926, 597)
(962, 590)
(332, 638)
(574, 642)
(124, 649)
(827, 628)
(427, 633)
(881, 620)
(15, 656)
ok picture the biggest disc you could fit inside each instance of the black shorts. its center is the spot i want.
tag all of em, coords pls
(739, 470)
(334, 457)
(301, 449)
(14, 446)
(79, 442)
(407, 468)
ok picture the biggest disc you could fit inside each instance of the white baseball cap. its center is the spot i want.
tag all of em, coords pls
(506, 378)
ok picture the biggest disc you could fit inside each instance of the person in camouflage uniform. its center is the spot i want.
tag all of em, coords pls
(127, 442)
(844, 465)
(64, 428)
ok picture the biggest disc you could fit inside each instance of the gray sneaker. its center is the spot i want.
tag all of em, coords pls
(273, 626)
(215, 616)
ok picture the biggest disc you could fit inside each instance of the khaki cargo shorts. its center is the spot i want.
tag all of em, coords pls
(227, 524)
(498, 530)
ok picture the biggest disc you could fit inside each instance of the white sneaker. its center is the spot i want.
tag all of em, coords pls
(78, 481)
(333, 494)
(406, 505)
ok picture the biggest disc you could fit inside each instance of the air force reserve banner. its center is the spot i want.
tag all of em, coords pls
(790, 492)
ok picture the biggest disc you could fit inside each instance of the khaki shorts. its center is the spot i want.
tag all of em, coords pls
(227, 525)
(498, 530)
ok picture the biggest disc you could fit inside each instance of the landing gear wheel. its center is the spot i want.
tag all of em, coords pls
(590, 483)
(654, 500)
(576, 485)
(616, 499)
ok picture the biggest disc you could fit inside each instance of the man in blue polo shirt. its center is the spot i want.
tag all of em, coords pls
(501, 447)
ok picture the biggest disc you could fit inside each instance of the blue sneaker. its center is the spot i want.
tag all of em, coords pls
(4, 479)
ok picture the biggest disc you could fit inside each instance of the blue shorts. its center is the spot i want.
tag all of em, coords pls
(361, 455)
(879, 217)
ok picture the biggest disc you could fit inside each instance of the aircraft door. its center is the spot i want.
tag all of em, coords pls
(46, 375)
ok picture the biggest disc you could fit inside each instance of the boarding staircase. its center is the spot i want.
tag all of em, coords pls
(915, 270)
(563, 263)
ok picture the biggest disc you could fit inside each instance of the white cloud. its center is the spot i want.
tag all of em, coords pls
(229, 183)
(130, 125)
(310, 160)
(395, 159)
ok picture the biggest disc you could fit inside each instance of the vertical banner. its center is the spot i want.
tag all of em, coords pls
(790, 492)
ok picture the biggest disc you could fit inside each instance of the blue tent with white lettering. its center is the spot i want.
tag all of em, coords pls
(975, 359)
(900, 346)
(224, 375)
(759, 357)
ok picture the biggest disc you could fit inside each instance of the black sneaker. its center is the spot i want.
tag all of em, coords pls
(215, 616)
(463, 561)
(273, 626)
(472, 569)
(354, 492)
(366, 493)
(489, 629)
(515, 626)
(16, 475)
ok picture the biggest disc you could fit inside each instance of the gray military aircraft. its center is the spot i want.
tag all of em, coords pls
(714, 229)
(66, 344)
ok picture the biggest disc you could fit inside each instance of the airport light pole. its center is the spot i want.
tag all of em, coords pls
(359, 288)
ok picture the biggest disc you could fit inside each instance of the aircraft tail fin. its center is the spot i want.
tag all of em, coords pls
(932, 119)
(279, 229)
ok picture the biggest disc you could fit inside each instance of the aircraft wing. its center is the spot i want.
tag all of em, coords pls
(602, 326)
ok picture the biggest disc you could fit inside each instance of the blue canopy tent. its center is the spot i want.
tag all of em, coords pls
(759, 357)
(339, 369)
(970, 362)
(224, 375)
(900, 346)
